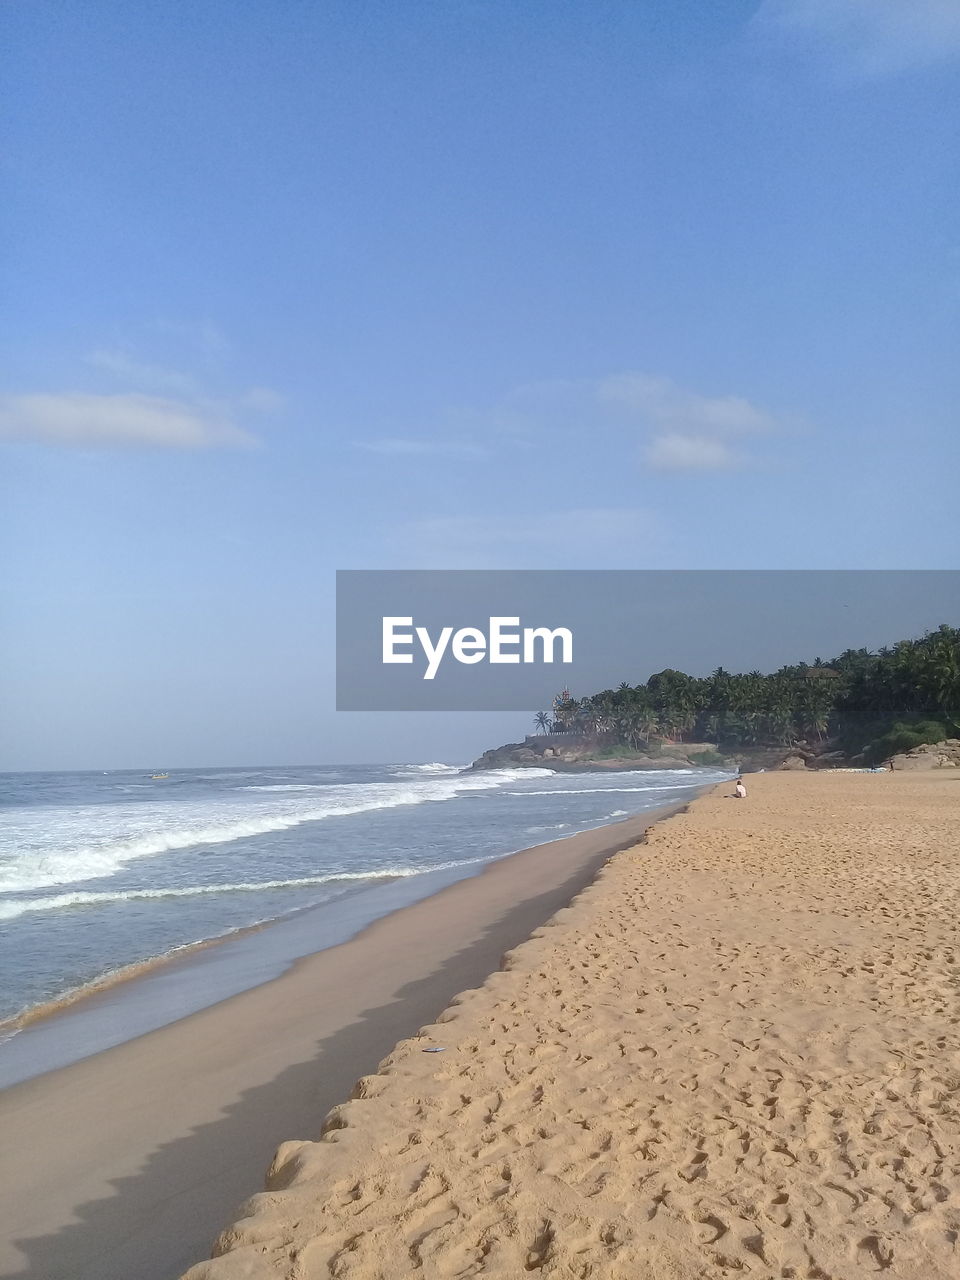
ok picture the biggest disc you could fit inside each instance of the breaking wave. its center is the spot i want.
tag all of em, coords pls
(80, 898)
(83, 849)
(435, 767)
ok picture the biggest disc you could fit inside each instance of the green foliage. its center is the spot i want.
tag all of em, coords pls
(904, 737)
(854, 698)
(707, 759)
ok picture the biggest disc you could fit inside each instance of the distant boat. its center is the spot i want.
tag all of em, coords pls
(159, 775)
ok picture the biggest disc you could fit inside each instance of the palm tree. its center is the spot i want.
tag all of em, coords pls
(856, 696)
(943, 669)
(542, 721)
(565, 711)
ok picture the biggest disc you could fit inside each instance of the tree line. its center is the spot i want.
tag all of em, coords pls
(911, 689)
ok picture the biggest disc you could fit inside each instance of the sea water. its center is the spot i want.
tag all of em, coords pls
(102, 871)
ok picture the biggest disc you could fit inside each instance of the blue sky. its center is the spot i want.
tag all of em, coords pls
(294, 287)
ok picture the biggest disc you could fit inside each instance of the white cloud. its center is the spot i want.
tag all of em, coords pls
(669, 425)
(126, 367)
(686, 430)
(676, 452)
(668, 406)
(145, 377)
(398, 447)
(130, 420)
(871, 37)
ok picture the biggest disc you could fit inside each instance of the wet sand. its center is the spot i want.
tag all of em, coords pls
(125, 1165)
(736, 1053)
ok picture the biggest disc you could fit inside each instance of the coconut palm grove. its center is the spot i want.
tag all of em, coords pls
(865, 704)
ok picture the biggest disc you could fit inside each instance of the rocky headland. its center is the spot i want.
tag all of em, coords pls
(581, 755)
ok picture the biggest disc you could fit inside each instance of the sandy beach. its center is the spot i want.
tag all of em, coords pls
(127, 1163)
(736, 1053)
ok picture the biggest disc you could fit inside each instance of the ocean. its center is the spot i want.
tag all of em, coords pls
(103, 871)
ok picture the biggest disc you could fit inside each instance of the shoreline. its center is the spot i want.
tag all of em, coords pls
(74, 996)
(146, 995)
(735, 1051)
(185, 1119)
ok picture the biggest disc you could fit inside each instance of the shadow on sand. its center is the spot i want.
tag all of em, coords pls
(165, 1219)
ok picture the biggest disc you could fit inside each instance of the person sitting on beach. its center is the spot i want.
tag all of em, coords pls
(740, 791)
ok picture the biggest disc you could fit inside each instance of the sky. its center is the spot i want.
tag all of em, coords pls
(290, 287)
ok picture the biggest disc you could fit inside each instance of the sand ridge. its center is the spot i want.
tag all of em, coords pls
(736, 1053)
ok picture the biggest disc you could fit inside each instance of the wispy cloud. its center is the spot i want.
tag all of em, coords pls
(145, 377)
(868, 37)
(123, 365)
(674, 407)
(675, 452)
(128, 420)
(399, 447)
(670, 426)
(142, 401)
(685, 429)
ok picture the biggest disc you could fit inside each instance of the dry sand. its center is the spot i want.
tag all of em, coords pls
(736, 1053)
(125, 1165)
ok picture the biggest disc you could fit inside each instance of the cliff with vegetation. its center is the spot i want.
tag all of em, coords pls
(576, 752)
(860, 708)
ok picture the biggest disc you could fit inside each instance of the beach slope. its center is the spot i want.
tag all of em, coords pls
(736, 1053)
(126, 1164)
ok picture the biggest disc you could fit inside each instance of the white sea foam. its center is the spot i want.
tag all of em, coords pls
(97, 873)
(512, 775)
(12, 908)
(432, 768)
(43, 847)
